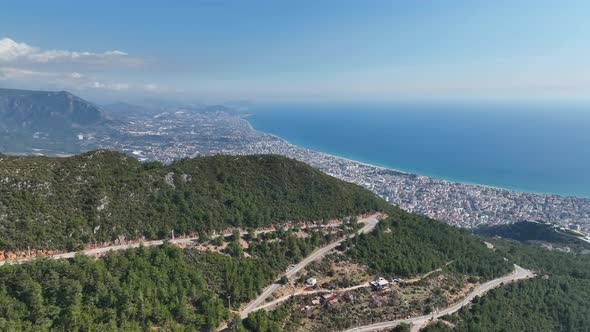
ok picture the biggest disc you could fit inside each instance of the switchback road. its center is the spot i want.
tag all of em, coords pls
(370, 223)
(418, 322)
(278, 301)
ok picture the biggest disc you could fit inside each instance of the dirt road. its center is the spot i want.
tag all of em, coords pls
(370, 223)
(419, 322)
(104, 250)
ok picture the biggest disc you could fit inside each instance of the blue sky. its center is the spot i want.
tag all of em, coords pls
(299, 50)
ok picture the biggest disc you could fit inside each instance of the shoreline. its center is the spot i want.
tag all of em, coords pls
(410, 173)
(326, 153)
(335, 156)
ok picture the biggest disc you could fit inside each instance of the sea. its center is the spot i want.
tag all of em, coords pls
(528, 147)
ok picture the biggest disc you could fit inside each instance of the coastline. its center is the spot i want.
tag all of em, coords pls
(411, 173)
(333, 155)
(457, 203)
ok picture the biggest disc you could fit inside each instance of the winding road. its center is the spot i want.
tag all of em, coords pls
(370, 223)
(278, 301)
(418, 322)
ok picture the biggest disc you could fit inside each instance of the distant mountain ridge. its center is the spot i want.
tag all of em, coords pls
(43, 119)
(123, 109)
(31, 108)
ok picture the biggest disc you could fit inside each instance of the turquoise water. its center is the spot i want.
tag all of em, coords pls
(537, 148)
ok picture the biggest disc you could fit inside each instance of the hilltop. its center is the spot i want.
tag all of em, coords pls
(63, 203)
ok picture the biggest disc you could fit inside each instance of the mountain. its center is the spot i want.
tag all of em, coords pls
(53, 202)
(43, 120)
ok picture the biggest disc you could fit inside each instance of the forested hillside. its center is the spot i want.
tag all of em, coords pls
(556, 300)
(406, 244)
(141, 289)
(526, 231)
(103, 195)
(402, 245)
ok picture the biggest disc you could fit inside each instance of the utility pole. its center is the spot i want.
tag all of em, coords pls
(172, 235)
(229, 301)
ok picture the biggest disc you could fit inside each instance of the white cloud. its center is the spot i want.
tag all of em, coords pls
(19, 73)
(152, 88)
(22, 53)
(26, 66)
(109, 86)
(115, 52)
(70, 81)
(120, 86)
(11, 50)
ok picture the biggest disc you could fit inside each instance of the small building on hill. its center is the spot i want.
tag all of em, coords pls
(329, 298)
(380, 283)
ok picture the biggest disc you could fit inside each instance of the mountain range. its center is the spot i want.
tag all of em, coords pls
(42, 120)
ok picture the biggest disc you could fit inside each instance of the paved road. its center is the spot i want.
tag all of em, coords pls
(104, 250)
(370, 223)
(420, 321)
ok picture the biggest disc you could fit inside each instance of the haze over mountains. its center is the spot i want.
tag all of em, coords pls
(43, 120)
(57, 123)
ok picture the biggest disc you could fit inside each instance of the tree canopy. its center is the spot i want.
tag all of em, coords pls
(555, 300)
(141, 288)
(100, 196)
(407, 244)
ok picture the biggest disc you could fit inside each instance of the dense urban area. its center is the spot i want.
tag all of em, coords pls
(188, 132)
